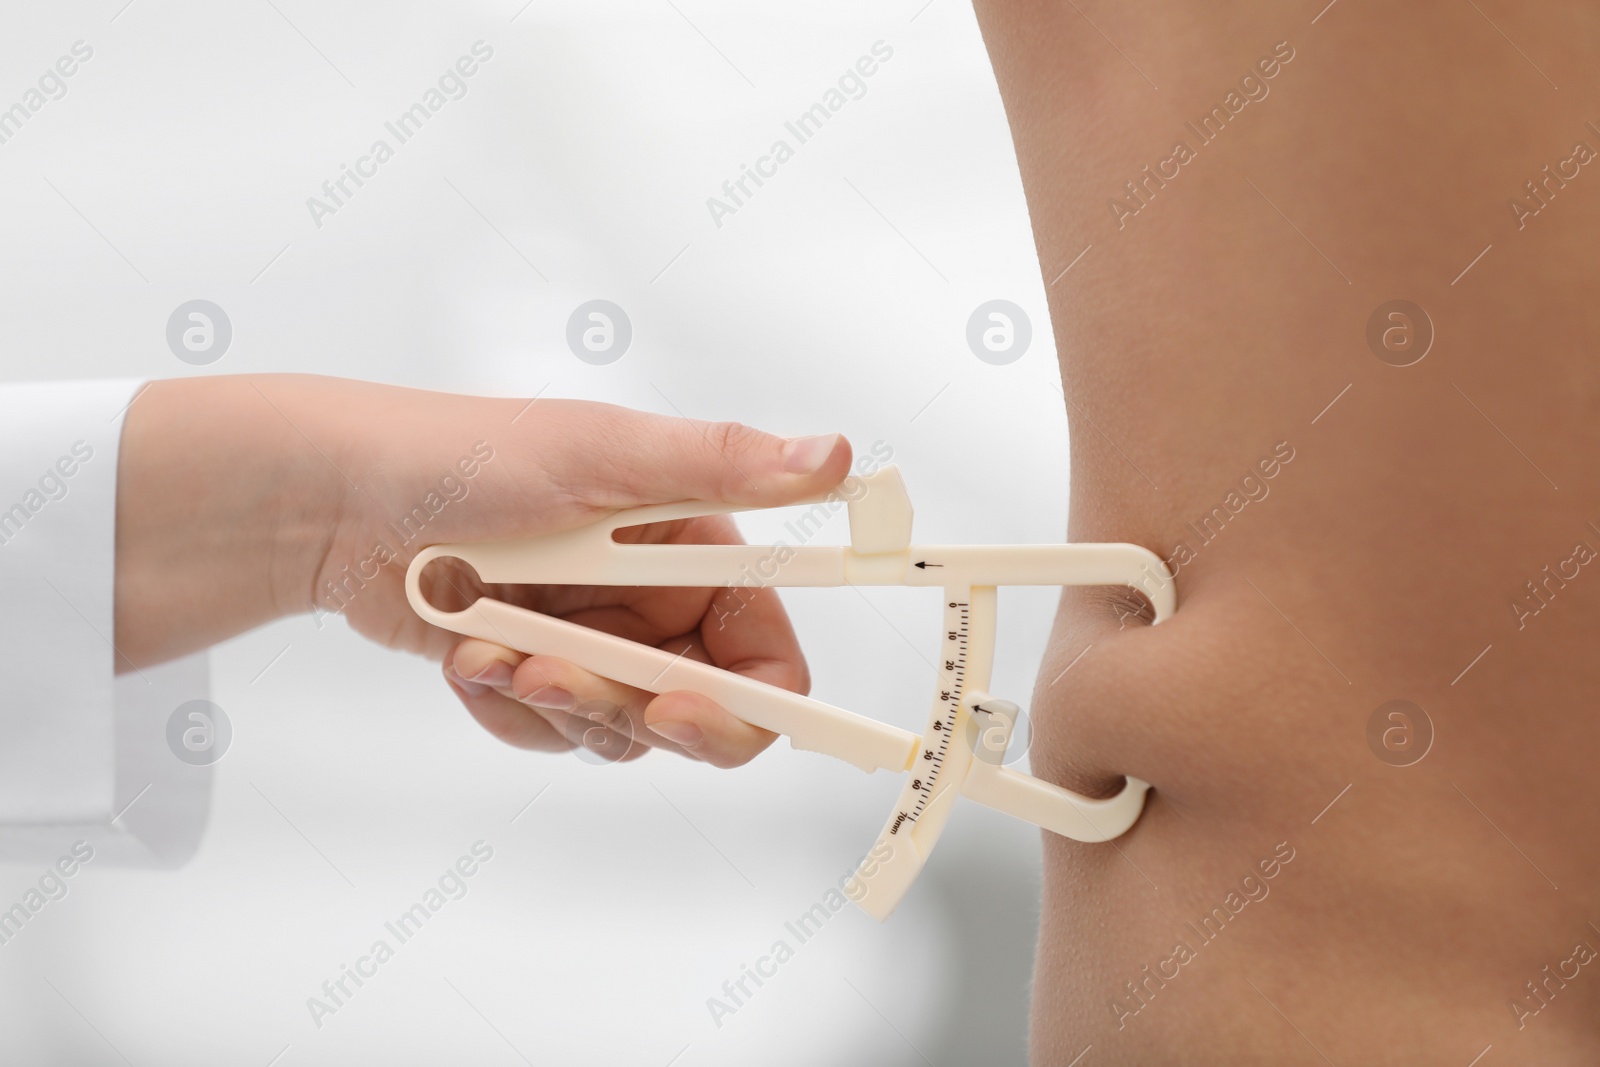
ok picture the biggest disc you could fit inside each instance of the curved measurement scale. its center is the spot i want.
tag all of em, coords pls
(960, 753)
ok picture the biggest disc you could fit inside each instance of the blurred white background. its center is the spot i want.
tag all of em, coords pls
(577, 166)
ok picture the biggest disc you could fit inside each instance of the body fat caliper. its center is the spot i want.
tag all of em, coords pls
(960, 753)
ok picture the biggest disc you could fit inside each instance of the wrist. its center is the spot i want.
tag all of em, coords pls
(224, 508)
(306, 478)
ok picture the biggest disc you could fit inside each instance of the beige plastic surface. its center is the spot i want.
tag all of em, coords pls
(958, 754)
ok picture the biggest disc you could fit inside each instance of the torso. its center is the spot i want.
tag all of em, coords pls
(1347, 532)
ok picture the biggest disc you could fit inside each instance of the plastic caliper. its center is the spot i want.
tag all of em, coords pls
(962, 750)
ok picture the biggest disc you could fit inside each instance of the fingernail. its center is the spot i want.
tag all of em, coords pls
(551, 698)
(497, 675)
(806, 455)
(461, 685)
(686, 734)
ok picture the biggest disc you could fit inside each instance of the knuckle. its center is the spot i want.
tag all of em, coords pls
(732, 442)
(568, 481)
(730, 437)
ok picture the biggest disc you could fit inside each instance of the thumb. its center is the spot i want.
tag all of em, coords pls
(620, 458)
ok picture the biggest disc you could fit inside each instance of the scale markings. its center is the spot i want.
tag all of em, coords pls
(957, 612)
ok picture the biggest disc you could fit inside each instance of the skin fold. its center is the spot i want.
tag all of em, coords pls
(1216, 326)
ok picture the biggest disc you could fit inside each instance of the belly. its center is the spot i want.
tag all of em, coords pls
(1370, 728)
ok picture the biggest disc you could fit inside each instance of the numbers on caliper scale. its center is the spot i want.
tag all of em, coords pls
(952, 680)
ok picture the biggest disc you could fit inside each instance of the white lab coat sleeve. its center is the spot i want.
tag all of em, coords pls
(81, 747)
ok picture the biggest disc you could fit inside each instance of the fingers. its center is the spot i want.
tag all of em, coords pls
(549, 704)
(684, 722)
(706, 728)
(504, 718)
(613, 457)
(476, 662)
(481, 673)
(602, 717)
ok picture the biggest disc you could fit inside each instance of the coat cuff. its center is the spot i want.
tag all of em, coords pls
(79, 744)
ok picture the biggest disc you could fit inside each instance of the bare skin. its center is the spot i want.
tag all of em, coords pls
(1200, 335)
(245, 499)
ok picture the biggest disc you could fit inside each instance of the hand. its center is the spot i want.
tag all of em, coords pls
(246, 498)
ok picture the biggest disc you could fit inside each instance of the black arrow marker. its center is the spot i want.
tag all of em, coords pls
(922, 563)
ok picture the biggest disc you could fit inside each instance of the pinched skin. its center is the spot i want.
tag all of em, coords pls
(1307, 886)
